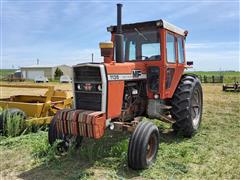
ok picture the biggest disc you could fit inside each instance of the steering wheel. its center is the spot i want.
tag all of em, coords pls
(154, 57)
(146, 57)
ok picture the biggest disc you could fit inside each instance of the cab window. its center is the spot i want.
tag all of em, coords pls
(132, 50)
(180, 50)
(150, 51)
(170, 48)
(142, 45)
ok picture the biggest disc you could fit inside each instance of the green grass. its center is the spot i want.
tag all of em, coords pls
(213, 153)
(13, 125)
(5, 72)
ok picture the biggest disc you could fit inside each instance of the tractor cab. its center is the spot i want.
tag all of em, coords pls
(146, 41)
(156, 48)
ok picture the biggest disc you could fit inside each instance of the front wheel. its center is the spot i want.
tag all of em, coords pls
(67, 140)
(143, 146)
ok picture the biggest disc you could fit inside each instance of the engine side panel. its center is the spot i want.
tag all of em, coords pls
(115, 96)
(118, 74)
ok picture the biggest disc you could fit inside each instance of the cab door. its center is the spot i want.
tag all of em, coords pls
(174, 59)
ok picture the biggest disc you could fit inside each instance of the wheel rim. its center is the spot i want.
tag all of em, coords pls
(196, 108)
(70, 140)
(67, 141)
(151, 147)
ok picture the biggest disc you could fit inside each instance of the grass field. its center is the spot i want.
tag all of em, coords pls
(213, 153)
(5, 72)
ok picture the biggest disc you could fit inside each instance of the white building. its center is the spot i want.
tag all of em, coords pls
(30, 72)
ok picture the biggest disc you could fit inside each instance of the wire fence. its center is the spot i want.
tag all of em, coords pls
(218, 79)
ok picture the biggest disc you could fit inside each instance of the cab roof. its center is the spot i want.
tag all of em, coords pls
(150, 25)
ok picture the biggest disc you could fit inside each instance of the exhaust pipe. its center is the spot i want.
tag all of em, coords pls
(118, 38)
(119, 18)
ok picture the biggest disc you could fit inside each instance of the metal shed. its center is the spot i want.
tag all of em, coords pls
(30, 72)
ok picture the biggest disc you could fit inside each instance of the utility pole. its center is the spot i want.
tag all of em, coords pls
(92, 57)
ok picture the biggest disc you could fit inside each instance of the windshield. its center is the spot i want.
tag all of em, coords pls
(142, 45)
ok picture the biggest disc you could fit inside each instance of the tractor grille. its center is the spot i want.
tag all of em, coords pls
(87, 99)
(87, 74)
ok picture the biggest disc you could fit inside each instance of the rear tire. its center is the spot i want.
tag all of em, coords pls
(143, 146)
(67, 140)
(16, 111)
(1, 121)
(187, 104)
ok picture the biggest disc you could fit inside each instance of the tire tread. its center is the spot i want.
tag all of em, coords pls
(181, 105)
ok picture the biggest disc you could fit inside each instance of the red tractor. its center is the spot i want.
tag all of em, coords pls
(142, 75)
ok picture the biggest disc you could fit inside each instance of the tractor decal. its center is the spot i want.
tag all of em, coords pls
(134, 75)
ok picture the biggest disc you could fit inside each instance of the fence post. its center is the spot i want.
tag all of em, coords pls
(221, 79)
(200, 78)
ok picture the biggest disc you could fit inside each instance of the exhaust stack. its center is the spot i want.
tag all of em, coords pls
(118, 38)
(119, 18)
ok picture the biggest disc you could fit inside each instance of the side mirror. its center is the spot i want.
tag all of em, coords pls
(106, 48)
(189, 63)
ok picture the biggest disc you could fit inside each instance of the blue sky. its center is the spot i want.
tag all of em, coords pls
(67, 32)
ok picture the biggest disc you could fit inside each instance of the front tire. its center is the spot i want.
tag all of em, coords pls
(187, 105)
(67, 140)
(143, 146)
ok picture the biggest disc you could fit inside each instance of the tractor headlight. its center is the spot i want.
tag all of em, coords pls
(156, 96)
(99, 87)
(79, 87)
(111, 127)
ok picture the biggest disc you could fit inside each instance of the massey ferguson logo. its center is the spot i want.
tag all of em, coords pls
(87, 87)
(136, 73)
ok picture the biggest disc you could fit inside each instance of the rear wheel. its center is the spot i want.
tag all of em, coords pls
(187, 104)
(1, 121)
(143, 146)
(67, 140)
